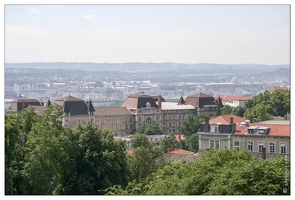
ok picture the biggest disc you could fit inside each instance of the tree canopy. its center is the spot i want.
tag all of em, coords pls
(150, 129)
(43, 157)
(266, 105)
(192, 125)
(216, 172)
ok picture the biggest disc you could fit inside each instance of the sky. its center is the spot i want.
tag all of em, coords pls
(224, 34)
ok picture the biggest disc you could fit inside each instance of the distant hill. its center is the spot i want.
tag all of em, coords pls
(200, 68)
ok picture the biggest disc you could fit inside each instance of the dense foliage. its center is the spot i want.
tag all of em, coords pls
(150, 129)
(218, 172)
(43, 157)
(266, 105)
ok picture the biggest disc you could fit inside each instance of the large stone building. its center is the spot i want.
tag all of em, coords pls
(135, 110)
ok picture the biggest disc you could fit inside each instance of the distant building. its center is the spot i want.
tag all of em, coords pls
(235, 101)
(277, 88)
(137, 109)
(231, 131)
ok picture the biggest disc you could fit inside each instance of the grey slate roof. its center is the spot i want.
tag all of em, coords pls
(72, 105)
(199, 100)
(21, 104)
(139, 100)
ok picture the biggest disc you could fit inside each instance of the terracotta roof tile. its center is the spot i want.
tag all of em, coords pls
(236, 98)
(181, 151)
(225, 119)
(275, 129)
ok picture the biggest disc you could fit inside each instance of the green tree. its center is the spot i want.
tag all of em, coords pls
(227, 109)
(192, 125)
(280, 101)
(150, 129)
(17, 132)
(239, 111)
(140, 140)
(258, 113)
(218, 111)
(192, 142)
(141, 163)
(101, 162)
(217, 172)
(169, 142)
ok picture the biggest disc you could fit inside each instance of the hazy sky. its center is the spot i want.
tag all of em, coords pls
(226, 34)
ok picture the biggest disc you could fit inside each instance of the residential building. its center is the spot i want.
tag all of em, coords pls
(230, 131)
(235, 101)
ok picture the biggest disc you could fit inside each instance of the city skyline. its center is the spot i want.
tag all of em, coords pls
(225, 34)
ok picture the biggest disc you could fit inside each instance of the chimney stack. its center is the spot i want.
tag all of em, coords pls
(195, 151)
(159, 101)
(206, 128)
(231, 124)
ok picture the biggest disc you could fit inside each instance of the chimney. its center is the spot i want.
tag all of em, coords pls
(263, 153)
(169, 149)
(231, 124)
(195, 151)
(206, 128)
(159, 101)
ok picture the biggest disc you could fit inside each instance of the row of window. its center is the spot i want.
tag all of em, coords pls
(108, 120)
(272, 147)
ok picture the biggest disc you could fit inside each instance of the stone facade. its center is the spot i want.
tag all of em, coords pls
(230, 131)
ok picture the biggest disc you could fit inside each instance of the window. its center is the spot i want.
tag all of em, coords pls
(149, 120)
(120, 119)
(283, 147)
(66, 122)
(250, 146)
(237, 145)
(271, 147)
(217, 143)
(260, 146)
(91, 121)
(105, 120)
(211, 143)
(98, 120)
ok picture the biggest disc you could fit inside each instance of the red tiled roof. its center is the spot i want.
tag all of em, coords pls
(129, 151)
(236, 98)
(275, 129)
(277, 88)
(225, 119)
(181, 151)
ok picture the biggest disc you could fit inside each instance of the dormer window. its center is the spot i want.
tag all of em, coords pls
(261, 132)
(148, 104)
(251, 131)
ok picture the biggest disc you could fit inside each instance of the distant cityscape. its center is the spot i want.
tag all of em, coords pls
(108, 85)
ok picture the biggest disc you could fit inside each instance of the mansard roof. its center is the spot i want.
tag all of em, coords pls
(20, 104)
(199, 100)
(72, 105)
(139, 100)
(90, 107)
(181, 101)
